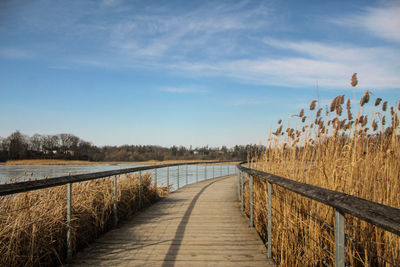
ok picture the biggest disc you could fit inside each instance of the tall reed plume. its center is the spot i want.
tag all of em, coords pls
(358, 153)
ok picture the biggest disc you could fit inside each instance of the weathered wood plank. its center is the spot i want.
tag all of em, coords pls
(199, 225)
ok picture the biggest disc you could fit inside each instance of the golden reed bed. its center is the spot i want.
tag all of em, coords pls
(352, 147)
(33, 224)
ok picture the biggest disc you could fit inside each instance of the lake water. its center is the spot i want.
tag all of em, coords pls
(24, 172)
(195, 173)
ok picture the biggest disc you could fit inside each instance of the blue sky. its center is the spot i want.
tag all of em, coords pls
(187, 72)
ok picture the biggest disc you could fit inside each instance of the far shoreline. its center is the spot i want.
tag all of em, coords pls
(82, 162)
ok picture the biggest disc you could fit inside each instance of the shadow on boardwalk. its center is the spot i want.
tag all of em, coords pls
(173, 252)
(198, 225)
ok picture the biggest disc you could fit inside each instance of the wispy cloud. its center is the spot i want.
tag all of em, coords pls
(201, 31)
(15, 53)
(182, 90)
(223, 40)
(243, 101)
(383, 22)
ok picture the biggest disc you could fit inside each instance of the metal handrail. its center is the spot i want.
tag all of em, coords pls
(383, 216)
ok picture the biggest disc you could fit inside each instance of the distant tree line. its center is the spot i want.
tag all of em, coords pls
(70, 147)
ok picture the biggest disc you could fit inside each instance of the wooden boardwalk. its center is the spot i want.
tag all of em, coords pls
(198, 225)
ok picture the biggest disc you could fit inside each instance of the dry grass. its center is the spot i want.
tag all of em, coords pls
(33, 224)
(351, 152)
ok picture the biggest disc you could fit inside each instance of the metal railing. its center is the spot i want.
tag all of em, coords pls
(9, 189)
(382, 216)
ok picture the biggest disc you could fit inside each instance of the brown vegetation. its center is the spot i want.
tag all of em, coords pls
(354, 153)
(33, 224)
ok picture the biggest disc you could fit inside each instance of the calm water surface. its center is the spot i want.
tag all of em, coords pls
(172, 176)
(21, 172)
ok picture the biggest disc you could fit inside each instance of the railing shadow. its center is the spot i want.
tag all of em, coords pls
(172, 253)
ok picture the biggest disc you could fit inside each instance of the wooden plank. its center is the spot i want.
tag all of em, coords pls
(198, 225)
(383, 216)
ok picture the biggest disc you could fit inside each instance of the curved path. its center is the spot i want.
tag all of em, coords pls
(197, 225)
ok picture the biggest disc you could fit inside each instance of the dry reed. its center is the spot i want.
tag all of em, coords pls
(33, 224)
(358, 156)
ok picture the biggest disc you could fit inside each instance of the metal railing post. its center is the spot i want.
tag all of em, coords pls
(269, 226)
(155, 182)
(69, 226)
(251, 202)
(177, 176)
(339, 239)
(213, 171)
(238, 186)
(140, 189)
(220, 170)
(115, 202)
(228, 169)
(186, 174)
(168, 179)
(205, 172)
(242, 188)
(197, 173)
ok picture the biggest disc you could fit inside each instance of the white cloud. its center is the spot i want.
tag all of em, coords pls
(383, 22)
(201, 30)
(209, 41)
(304, 71)
(333, 64)
(15, 53)
(181, 90)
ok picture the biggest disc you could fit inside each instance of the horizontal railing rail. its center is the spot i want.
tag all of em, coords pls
(385, 217)
(19, 187)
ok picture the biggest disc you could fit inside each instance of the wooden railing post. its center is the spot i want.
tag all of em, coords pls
(115, 210)
(339, 238)
(69, 226)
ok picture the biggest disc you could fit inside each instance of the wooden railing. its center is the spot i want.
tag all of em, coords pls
(216, 167)
(385, 217)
